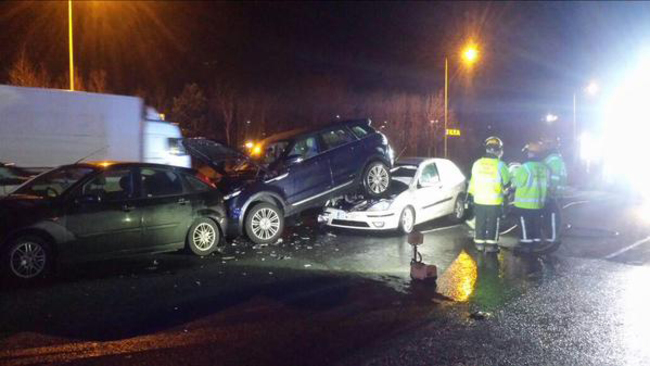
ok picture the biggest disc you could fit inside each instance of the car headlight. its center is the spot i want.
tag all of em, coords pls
(380, 206)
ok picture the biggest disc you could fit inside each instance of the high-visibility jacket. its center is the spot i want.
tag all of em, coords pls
(489, 177)
(559, 176)
(531, 183)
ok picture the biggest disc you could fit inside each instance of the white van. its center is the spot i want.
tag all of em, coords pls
(42, 128)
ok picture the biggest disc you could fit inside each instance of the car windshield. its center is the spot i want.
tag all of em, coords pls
(55, 182)
(405, 171)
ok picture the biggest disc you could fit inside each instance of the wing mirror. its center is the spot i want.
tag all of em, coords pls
(88, 199)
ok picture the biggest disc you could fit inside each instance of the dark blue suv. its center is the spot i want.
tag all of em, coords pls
(294, 171)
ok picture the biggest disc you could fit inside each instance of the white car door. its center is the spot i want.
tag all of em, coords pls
(430, 194)
(453, 183)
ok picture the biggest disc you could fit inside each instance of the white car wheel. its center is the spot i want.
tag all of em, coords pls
(407, 220)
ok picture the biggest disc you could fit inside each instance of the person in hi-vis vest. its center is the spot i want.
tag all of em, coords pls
(490, 177)
(531, 182)
(552, 223)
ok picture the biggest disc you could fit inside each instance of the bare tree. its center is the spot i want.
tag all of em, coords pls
(223, 104)
(24, 73)
(190, 109)
(97, 82)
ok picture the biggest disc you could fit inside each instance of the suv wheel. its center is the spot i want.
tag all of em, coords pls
(376, 179)
(27, 258)
(203, 237)
(264, 223)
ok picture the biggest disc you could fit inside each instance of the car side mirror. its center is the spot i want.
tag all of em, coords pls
(293, 159)
(88, 199)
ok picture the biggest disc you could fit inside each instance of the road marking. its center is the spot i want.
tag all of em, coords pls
(440, 229)
(617, 253)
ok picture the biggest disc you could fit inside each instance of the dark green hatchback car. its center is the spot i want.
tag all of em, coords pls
(95, 211)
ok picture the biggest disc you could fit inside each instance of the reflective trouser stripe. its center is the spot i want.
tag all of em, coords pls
(553, 227)
(496, 234)
(523, 228)
(478, 241)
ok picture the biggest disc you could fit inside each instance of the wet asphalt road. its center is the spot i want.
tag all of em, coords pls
(335, 297)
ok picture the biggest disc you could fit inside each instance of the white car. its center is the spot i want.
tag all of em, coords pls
(422, 189)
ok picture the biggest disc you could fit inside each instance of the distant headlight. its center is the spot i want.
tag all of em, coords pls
(231, 195)
(380, 206)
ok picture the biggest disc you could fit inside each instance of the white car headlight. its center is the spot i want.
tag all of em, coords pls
(380, 206)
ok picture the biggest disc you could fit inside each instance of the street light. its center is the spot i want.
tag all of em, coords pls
(550, 118)
(469, 56)
(592, 88)
(70, 45)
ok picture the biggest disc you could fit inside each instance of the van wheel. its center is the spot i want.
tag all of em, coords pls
(203, 237)
(376, 179)
(407, 220)
(264, 223)
(27, 259)
(459, 211)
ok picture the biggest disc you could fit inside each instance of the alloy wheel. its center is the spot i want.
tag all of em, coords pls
(28, 260)
(265, 223)
(204, 236)
(378, 179)
(407, 220)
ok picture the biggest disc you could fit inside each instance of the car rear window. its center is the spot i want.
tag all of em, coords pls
(335, 138)
(158, 182)
(195, 184)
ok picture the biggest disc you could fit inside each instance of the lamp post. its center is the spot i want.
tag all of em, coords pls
(469, 56)
(591, 90)
(70, 45)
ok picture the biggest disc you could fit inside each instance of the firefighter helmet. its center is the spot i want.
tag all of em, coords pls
(494, 146)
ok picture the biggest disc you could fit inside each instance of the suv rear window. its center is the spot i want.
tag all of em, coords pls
(361, 131)
(335, 138)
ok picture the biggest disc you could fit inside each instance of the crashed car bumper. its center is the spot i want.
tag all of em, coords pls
(381, 220)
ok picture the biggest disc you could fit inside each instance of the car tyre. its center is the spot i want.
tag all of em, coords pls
(204, 237)
(376, 179)
(459, 213)
(407, 220)
(264, 223)
(27, 259)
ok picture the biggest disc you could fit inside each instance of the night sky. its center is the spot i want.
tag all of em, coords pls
(533, 55)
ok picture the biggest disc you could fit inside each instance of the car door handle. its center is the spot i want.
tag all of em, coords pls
(127, 208)
(182, 201)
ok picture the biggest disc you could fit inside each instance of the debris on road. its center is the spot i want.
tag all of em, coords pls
(480, 315)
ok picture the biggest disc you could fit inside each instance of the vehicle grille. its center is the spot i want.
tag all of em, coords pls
(349, 223)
